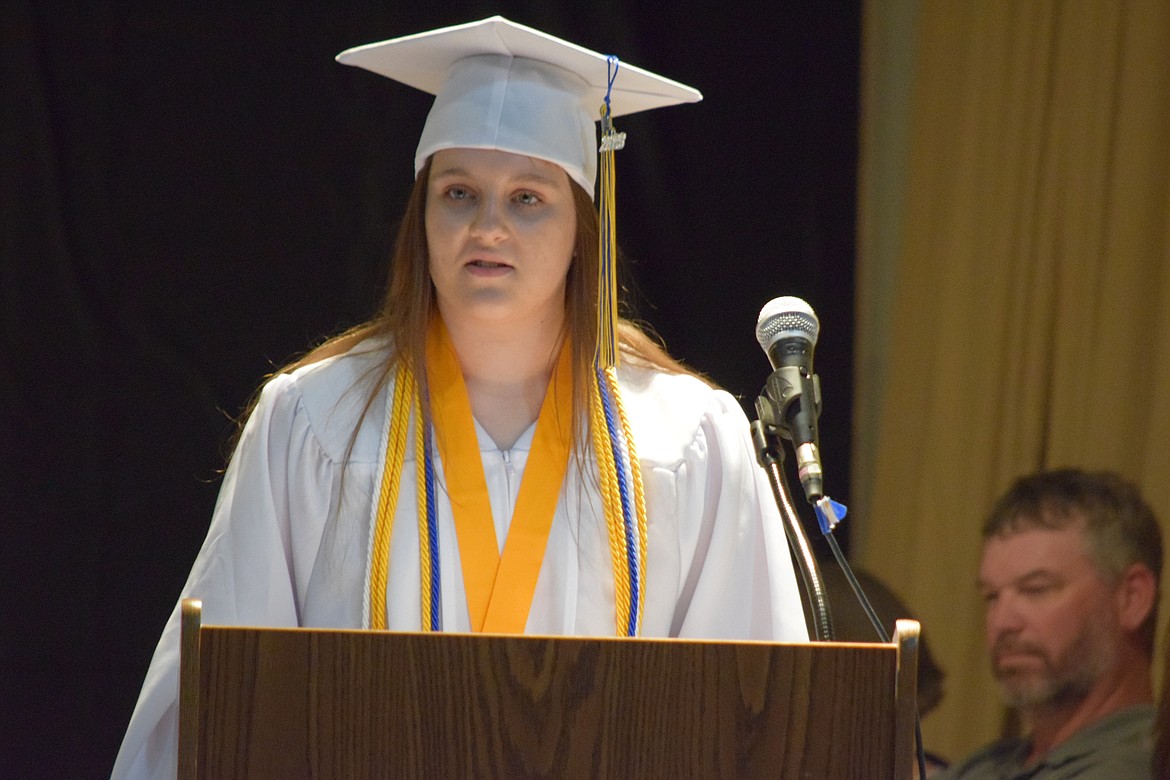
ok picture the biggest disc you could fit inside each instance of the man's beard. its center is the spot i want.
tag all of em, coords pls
(1055, 681)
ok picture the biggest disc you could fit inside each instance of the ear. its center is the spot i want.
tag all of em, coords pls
(1135, 594)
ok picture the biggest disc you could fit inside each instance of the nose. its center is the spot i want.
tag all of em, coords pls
(489, 224)
(1002, 617)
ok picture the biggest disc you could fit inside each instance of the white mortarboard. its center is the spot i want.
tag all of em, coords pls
(501, 85)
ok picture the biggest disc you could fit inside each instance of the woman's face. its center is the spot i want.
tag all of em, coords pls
(500, 229)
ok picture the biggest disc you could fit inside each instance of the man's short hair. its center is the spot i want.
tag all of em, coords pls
(1119, 526)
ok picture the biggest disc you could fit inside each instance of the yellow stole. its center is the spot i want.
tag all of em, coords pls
(499, 587)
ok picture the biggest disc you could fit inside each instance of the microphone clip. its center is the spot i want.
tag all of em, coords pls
(782, 400)
(789, 406)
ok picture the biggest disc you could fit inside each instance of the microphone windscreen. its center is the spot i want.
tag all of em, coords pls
(786, 317)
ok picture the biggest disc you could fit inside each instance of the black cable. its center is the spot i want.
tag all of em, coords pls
(920, 750)
(771, 457)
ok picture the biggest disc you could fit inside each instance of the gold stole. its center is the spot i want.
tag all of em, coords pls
(499, 587)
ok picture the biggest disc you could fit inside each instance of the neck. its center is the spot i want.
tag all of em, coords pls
(1054, 723)
(506, 367)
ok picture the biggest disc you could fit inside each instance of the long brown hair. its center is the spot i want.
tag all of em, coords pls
(409, 304)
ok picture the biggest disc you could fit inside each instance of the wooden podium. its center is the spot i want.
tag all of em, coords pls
(312, 703)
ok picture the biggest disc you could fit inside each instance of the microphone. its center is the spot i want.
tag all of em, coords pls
(787, 331)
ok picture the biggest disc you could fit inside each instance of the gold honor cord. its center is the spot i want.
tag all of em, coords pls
(426, 576)
(612, 506)
(635, 471)
(404, 392)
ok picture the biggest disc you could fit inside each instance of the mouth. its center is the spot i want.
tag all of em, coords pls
(1006, 660)
(489, 264)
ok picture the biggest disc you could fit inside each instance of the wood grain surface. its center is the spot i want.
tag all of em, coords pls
(291, 703)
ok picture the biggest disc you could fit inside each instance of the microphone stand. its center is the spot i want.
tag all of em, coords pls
(770, 456)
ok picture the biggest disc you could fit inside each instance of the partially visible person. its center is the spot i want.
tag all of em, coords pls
(852, 624)
(1162, 723)
(1069, 577)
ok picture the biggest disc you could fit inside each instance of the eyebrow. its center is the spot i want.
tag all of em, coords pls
(534, 177)
(1034, 574)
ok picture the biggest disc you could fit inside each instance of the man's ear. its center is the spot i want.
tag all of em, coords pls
(1136, 592)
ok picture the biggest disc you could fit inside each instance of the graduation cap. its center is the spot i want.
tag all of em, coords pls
(501, 85)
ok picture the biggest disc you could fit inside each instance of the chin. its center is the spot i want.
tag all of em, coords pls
(1018, 692)
(485, 304)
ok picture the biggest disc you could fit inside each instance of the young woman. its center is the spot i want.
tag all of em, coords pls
(474, 458)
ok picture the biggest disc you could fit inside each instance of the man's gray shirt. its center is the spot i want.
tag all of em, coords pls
(1116, 747)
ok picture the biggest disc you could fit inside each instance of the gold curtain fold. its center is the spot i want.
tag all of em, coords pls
(1013, 291)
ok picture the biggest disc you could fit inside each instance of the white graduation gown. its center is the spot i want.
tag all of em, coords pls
(288, 543)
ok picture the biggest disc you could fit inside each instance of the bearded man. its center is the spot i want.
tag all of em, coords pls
(1069, 578)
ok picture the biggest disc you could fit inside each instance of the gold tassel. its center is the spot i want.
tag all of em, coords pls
(607, 290)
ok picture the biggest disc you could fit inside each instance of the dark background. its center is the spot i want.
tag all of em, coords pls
(192, 193)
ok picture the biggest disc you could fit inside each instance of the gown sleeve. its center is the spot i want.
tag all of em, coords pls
(244, 573)
(718, 561)
(737, 578)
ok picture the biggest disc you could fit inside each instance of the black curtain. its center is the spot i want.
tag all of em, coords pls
(191, 193)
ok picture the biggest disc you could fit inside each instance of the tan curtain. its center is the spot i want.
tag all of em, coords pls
(1013, 288)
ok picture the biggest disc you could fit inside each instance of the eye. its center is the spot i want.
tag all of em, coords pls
(528, 198)
(457, 192)
(1039, 586)
(1035, 590)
